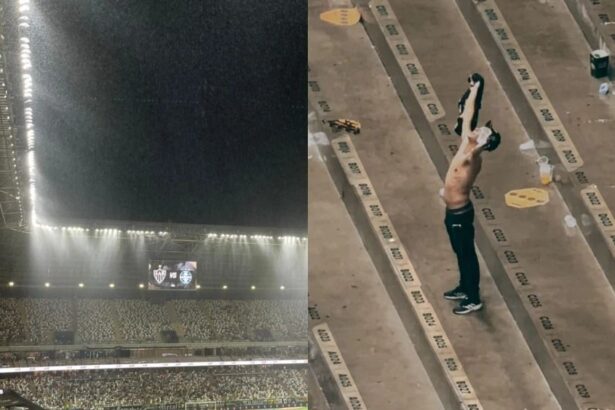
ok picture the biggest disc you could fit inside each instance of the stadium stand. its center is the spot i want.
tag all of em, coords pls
(108, 388)
(33, 321)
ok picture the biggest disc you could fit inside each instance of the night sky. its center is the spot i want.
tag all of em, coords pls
(171, 111)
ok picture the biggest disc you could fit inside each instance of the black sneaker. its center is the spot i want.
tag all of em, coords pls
(466, 307)
(455, 294)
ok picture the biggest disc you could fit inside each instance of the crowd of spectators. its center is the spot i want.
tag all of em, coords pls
(44, 316)
(95, 320)
(11, 326)
(140, 320)
(242, 319)
(35, 320)
(100, 388)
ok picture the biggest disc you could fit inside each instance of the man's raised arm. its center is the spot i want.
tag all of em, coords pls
(468, 110)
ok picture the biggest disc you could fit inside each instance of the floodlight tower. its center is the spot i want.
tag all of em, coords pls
(17, 173)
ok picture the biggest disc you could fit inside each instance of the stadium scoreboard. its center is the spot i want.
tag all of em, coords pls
(171, 275)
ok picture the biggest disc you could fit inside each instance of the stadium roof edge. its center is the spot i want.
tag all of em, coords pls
(172, 227)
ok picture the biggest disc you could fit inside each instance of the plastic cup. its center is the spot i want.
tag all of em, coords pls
(570, 221)
(545, 170)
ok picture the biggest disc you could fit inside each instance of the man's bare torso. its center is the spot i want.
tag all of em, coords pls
(461, 175)
(467, 162)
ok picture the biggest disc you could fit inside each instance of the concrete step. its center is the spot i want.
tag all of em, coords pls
(347, 294)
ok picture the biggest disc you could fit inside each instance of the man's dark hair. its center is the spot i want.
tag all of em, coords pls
(493, 141)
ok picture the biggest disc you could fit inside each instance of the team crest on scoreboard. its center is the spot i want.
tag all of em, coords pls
(185, 277)
(160, 275)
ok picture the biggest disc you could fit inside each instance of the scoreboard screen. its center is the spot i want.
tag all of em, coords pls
(171, 275)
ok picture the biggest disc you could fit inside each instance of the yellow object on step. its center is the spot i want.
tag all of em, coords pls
(526, 198)
(341, 17)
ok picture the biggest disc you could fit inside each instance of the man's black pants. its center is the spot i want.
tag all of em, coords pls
(460, 227)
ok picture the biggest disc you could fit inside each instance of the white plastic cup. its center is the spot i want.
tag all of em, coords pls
(545, 170)
(570, 221)
(604, 88)
(586, 224)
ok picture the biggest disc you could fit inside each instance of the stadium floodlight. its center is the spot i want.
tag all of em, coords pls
(224, 287)
(112, 285)
(47, 284)
(141, 286)
(25, 55)
(282, 287)
(11, 284)
(81, 285)
(253, 287)
(198, 286)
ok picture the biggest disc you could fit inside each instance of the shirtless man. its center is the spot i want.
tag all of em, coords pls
(460, 177)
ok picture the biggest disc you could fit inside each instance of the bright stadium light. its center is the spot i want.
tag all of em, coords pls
(141, 286)
(47, 284)
(25, 59)
(11, 283)
(282, 287)
(224, 287)
(81, 285)
(112, 285)
(253, 287)
(198, 286)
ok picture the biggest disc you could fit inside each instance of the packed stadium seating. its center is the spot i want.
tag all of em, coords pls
(241, 320)
(102, 388)
(42, 316)
(93, 321)
(33, 321)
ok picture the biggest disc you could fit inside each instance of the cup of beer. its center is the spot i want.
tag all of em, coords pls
(545, 170)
